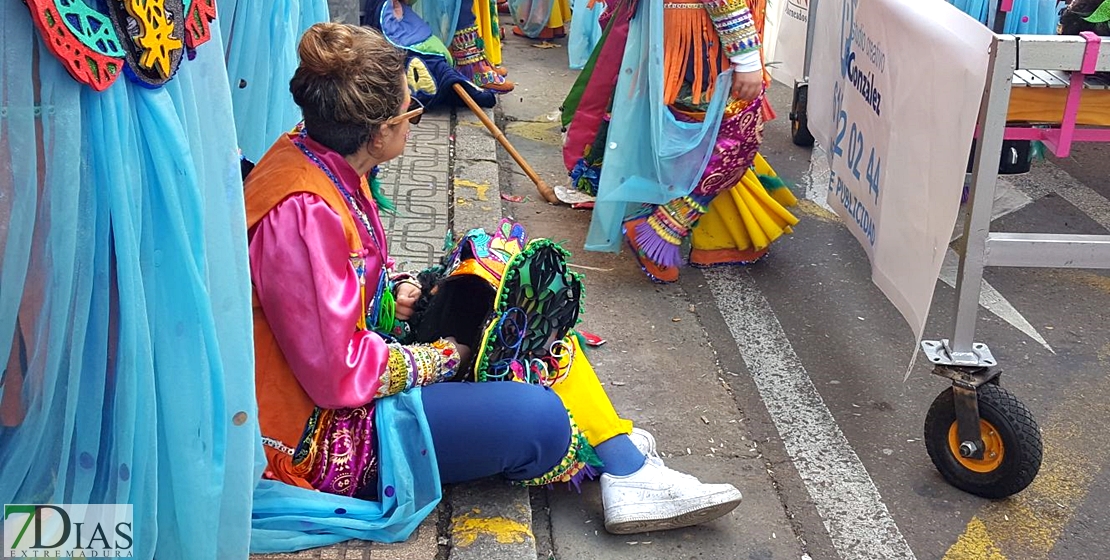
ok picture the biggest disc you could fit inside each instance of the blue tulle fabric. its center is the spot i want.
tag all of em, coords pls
(287, 518)
(261, 53)
(585, 32)
(658, 164)
(1031, 17)
(531, 16)
(442, 16)
(125, 313)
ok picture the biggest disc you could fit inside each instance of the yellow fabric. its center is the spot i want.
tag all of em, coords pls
(482, 12)
(560, 14)
(585, 398)
(746, 216)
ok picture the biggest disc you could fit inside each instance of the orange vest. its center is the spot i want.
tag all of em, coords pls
(283, 406)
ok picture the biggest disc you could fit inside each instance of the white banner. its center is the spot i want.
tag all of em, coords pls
(784, 39)
(895, 88)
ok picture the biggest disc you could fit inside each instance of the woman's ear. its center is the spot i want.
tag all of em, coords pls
(379, 138)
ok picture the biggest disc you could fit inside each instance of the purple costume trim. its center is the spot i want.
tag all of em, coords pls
(737, 143)
(341, 447)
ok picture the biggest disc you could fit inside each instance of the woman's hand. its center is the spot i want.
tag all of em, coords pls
(746, 86)
(404, 298)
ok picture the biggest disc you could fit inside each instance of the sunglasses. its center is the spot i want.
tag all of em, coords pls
(413, 115)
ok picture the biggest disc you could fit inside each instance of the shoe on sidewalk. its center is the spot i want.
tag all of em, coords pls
(656, 498)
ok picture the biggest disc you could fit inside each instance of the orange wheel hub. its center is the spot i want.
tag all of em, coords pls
(993, 450)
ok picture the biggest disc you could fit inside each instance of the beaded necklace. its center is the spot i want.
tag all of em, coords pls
(380, 312)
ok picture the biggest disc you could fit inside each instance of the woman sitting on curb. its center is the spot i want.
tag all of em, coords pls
(354, 402)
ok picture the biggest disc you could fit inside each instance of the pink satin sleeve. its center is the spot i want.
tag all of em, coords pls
(309, 291)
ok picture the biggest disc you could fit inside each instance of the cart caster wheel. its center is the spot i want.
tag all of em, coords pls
(799, 122)
(1011, 439)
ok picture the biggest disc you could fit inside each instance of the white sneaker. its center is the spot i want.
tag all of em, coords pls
(644, 441)
(656, 498)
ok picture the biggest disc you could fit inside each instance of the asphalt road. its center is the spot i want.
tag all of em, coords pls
(787, 376)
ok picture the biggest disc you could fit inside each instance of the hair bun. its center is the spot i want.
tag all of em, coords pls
(327, 49)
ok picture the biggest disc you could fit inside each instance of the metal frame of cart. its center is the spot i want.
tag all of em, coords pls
(799, 122)
(979, 436)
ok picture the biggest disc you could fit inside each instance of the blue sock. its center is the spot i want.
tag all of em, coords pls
(620, 455)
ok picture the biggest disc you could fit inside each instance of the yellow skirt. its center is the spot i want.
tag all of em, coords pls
(743, 221)
(560, 15)
(485, 13)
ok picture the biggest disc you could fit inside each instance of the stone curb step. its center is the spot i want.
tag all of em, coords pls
(490, 520)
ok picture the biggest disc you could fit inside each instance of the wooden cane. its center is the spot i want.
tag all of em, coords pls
(546, 192)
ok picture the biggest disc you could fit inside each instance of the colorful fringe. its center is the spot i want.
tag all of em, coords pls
(660, 235)
(580, 462)
(471, 62)
(684, 33)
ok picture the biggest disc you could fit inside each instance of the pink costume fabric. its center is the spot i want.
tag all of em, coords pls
(309, 289)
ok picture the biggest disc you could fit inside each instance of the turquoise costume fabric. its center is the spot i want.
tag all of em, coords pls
(261, 54)
(125, 308)
(125, 312)
(1032, 17)
(650, 156)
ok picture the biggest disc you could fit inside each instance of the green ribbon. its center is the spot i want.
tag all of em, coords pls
(1101, 15)
(387, 312)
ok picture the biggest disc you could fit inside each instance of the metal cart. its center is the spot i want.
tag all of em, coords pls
(980, 437)
(799, 123)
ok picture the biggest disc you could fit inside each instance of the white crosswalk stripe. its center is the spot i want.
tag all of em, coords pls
(858, 522)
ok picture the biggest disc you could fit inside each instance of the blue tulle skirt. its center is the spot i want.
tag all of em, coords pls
(1033, 17)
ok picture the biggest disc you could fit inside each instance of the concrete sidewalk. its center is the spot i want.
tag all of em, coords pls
(658, 365)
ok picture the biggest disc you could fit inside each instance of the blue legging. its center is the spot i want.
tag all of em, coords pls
(512, 429)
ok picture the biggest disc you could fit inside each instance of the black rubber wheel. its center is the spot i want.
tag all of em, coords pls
(1011, 438)
(799, 123)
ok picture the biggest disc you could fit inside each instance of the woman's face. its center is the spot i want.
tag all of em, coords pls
(395, 135)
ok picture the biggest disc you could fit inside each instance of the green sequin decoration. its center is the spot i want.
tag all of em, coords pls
(494, 19)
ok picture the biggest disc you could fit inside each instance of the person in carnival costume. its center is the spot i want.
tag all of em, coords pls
(678, 124)
(430, 68)
(1029, 17)
(538, 19)
(450, 37)
(354, 360)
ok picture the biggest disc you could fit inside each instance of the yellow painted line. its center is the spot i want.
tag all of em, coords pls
(1027, 526)
(543, 132)
(466, 528)
(975, 544)
(813, 210)
(481, 188)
